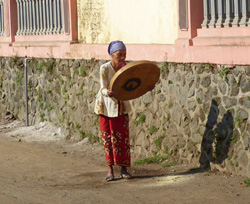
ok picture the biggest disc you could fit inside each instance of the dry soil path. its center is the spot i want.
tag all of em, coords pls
(54, 171)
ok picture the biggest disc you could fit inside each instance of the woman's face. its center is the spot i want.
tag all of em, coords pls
(118, 58)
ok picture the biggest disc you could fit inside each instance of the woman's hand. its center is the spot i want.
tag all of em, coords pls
(110, 93)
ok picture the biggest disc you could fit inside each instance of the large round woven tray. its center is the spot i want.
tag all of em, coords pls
(134, 80)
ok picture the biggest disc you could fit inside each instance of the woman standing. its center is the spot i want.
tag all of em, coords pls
(113, 114)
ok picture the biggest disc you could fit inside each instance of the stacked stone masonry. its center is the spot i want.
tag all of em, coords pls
(198, 114)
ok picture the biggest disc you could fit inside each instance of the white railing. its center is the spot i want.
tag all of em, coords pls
(1, 18)
(40, 17)
(226, 13)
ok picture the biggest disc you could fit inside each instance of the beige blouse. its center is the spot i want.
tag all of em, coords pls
(105, 105)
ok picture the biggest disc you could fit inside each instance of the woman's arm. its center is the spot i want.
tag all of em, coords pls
(104, 81)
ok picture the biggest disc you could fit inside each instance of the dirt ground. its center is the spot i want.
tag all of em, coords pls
(38, 166)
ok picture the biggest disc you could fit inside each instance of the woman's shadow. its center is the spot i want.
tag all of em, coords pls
(217, 137)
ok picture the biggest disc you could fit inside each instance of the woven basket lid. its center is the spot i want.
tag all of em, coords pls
(134, 80)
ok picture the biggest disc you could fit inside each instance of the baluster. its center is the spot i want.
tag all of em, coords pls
(30, 17)
(59, 19)
(221, 17)
(229, 8)
(213, 15)
(34, 17)
(51, 16)
(24, 18)
(1, 16)
(47, 17)
(61, 15)
(55, 16)
(21, 18)
(248, 12)
(44, 17)
(65, 13)
(27, 17)
(236, 19)
(18, 17)
(62, 12)
(2, 19)
(244, 18)
(40, 17)
(37, 18)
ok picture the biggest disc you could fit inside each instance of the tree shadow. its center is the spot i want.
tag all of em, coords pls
(217, 137)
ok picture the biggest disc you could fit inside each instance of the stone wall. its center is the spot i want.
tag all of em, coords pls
(198, 113)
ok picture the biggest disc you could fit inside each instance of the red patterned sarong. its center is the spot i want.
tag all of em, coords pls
(115, 136)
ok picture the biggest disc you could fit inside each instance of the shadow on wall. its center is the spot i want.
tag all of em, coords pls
(217, 137)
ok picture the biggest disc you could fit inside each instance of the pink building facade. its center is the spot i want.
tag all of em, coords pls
(197, 41)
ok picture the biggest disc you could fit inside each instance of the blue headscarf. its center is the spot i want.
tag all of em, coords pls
(115, 46)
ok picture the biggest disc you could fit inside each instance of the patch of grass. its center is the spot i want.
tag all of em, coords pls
(92, 138)
(49, 107)
(233, 139)
(166, 149)
(49, 91)
(158, 91)
(223, 72)
(79, 94)
(142, 119)
(76, 72)
(19, 80)
(82, 134)
(42, 117)
(170, 105)
(170, 164)
(151, 160)
(158, 141)
(164, 67)
(49, 65)
(14, 59)
(41, 106)
(152, 129)
(231, 111)
(40, 97)
(199, 101)
(83, 71)
(78, 126)
(42, 178)
(170, 82)
(96, 120)
(194, 168)
(60, 79)
(230, 161)
(247, 182)
(239, 120)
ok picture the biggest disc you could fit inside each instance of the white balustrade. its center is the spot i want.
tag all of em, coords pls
(39, 17)
(226, 13)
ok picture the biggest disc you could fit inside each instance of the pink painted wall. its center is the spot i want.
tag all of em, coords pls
(194, 45)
